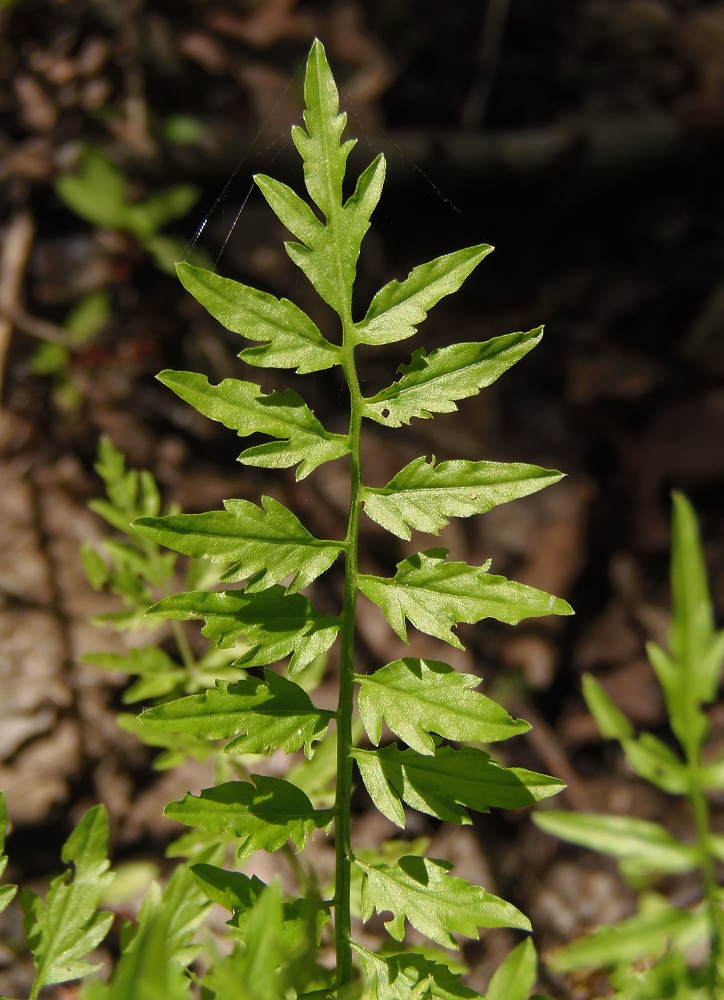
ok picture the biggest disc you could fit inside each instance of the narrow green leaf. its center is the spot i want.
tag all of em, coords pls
(256, 715)
(408, 976)
(435, 903)
(431, 383)
(611, 722)
(290, 338)
(447, 784)
(398, 309)
(424, 495)
(263, 815)
(61, 932)
(243, 407)
(657, 763)
(275, 624)
(270, 542)
(7, 892)
(158, 674)
(640, 843)
(515, 978)
(692, 626)
(433, 595)
(643, 936)
(418, 697)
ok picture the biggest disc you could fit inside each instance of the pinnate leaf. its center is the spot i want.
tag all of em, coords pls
(447, 783)
(61, 931)
(291, 339)
(641, 844)
(256, 715)
(269, 542)
(424, 495)
(431, 383)
(158, 674)
(275, 624)
(418, 697)
(244, 408)
(435, 903)
(409, 976)
(433, 595)
(262, 815)
(398, 309)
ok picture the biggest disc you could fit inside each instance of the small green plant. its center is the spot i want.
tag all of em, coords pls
(649, 956)
(98, 192)
(306, 946)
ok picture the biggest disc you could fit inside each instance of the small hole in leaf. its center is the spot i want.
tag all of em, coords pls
(386, 412)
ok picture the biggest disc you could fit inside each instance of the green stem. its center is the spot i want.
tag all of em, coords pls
(700, 809)
(187, 657)
(343, 847)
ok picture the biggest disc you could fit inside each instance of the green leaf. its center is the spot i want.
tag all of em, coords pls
(328, 252)
(431, 383)
(290, 338)
(7, 892)
(657, 763)
(158, 674)
(186, 907)
(441, 785)
(256, 715)
(96, 191)
(433, 595)
(643, 845)
(150, 966)
(275, 624)
(244, 408)
(408, 977)
(692, 627)
(270, 542)
(263, 815)
(418, 697)
(232, 890)
(61, 931)
(611, 722)
(424, 495)
(515, 978)
(644, 936)
(435, 903)
(398, 309)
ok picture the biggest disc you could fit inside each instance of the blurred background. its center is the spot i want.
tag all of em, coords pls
(583, 138)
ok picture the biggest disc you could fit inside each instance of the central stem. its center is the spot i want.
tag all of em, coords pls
(343, 847)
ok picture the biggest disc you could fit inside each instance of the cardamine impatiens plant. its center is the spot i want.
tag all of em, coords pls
(414, 739)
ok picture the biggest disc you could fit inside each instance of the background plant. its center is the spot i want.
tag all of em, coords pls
(654, 953)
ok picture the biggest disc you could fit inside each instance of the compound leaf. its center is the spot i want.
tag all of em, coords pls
(641, 844)
(433, 595)
(435, 903)
(262, 815)
(256, 715)
(267, 542)
(424, 495)
(275, 624)
(447, 783)
(158, 674)
(418, 697)
(398, 309)
(244, 408)
(291, 339)
(409, 976)
(431, 383)
(61, 931)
